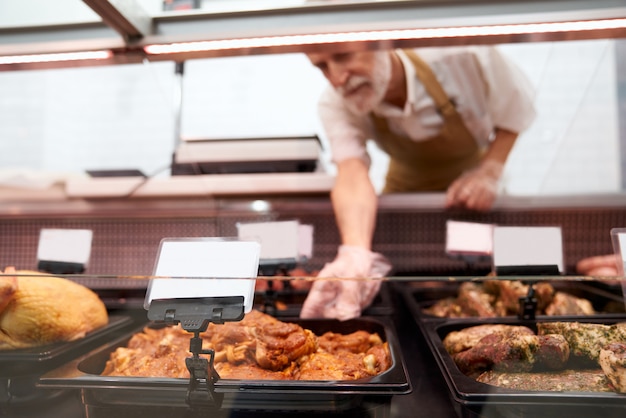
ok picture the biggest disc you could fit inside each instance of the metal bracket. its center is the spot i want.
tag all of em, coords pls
(202, 376)
(528, 305)
(194, 315)
(273, 268)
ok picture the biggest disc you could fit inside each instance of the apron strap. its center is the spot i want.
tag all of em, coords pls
(431, 84)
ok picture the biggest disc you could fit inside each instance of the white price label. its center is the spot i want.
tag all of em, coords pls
(527, 246)
(618, 238)
(279, 240)
(205, 267)
(469, 238)
(65, 245)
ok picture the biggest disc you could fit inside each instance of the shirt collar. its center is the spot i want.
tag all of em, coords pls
(409, 72)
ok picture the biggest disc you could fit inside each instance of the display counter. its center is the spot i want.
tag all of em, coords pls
(427, 390)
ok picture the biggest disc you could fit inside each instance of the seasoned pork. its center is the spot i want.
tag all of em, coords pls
(43, 309)
(565, 304)
(508, 293)
(558, 381)
(457, 341)
(585, 339)
(495, 298)
(613, 362)
(474, 301)
(513, 352)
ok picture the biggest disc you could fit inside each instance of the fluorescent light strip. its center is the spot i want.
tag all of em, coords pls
(386, 35)
(63, 56)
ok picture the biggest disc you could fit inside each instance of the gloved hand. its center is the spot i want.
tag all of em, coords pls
(476, 189)
(344, 299)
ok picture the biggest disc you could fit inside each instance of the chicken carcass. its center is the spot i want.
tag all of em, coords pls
(38, 309)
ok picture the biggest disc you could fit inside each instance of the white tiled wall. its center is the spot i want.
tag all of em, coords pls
(120, 117)
(573, 146)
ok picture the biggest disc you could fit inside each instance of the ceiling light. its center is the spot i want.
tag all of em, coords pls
(62, 56)
(400, 34)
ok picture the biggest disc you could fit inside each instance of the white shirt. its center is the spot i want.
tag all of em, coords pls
(488, 90)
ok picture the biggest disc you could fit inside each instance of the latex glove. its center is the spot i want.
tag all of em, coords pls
(476, 189)
(345, 299)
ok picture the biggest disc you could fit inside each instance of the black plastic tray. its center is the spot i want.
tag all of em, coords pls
(422, 295)
(109, 392)
(28, 361)
(480, 399)
(20, 369)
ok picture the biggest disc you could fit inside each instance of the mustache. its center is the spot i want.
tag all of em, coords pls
(352, 84)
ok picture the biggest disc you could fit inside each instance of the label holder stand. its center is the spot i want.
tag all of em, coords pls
(194, 316)
(517, 253)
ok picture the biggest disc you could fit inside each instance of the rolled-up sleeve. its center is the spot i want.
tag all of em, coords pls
(347, 133)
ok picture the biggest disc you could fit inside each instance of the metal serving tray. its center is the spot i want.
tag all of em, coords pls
(422, 295)
(20, 369)
(108, 393)
(482, 400)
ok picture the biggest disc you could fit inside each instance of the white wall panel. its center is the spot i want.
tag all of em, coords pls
(121, 117)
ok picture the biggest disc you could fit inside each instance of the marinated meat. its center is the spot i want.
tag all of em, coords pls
(561, 381)
(552, 353)
(343, 365)
(474, 301)
(356, 342)
(253, 372)
(508, 293)
(565, 304)
(446, 308)
(613, 362)
(513, 352)
(278, 343)
(38, 309)
(495, 298)
(457, 341)
(585, 339)
(518, 360)
(152, 353)
(345, 357)
(259, 347)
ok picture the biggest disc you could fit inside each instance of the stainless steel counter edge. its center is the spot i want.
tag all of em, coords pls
(37, 204)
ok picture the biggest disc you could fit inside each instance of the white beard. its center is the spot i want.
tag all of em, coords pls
(373, 88)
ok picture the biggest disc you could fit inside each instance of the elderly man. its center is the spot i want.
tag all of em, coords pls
(447, 118)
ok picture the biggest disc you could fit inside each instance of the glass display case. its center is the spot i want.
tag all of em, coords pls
(129, 216)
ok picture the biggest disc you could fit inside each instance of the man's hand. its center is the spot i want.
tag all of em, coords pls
(344, 299)
(476, 189)
(600, 265)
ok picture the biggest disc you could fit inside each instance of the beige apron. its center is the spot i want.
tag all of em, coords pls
(432, 164)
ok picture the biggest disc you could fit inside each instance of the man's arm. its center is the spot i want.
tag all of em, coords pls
(355, 203)
(500, 147)
(478, 188)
